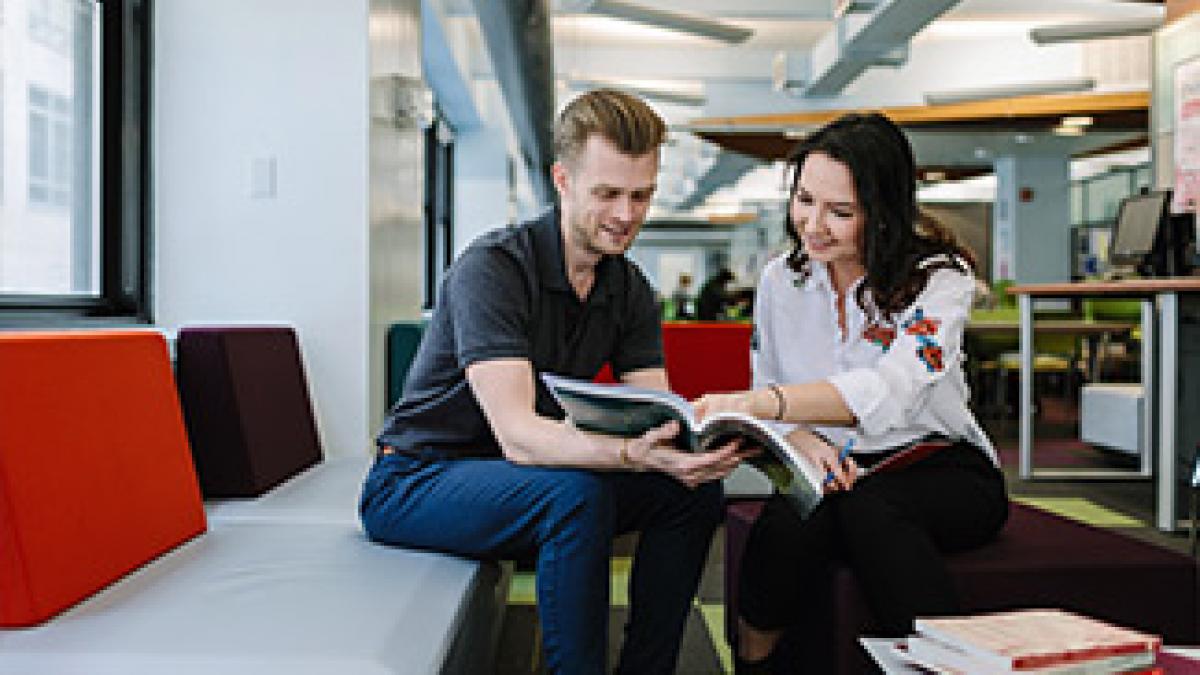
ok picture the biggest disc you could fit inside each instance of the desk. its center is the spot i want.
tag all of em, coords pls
(1092, 330)
(1070, 326)
(1161, 376)
(977, 329)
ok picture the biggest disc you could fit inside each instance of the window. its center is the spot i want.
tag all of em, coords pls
(2, 155)
(50, 152)
(51, 23)
(74, 161)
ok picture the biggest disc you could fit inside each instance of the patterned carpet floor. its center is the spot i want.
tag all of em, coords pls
(1123, 505)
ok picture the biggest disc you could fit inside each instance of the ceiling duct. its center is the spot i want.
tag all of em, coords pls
(1095, 30)
(867, 34)
(517, 34)
(725, 170)
(650, 16)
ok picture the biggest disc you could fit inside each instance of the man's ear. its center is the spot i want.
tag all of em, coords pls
(559, 175)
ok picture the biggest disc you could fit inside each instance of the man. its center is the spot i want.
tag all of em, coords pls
(475, 458)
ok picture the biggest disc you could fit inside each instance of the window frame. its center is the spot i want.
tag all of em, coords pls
(439, 206)
(124, 183)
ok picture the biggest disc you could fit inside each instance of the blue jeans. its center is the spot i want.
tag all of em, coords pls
(567, 518)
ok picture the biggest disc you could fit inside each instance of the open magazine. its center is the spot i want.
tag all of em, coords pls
(626, 411)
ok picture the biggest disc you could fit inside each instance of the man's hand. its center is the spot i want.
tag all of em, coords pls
(653, 450)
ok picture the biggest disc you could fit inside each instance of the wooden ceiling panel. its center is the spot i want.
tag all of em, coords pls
(771, 137)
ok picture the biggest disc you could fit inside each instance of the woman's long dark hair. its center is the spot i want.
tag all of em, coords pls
(896, 236)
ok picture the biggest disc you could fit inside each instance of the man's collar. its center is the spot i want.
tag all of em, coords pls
(552, 259)
(548, 245)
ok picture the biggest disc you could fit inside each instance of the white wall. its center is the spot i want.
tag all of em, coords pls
(283, 79)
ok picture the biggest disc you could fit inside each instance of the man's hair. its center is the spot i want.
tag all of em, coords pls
(622, 119)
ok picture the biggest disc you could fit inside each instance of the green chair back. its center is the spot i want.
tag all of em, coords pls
(403, 339)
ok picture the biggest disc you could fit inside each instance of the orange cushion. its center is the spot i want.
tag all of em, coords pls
(704, 358)
(95, 473)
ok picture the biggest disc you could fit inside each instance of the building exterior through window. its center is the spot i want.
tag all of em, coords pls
(49, 139)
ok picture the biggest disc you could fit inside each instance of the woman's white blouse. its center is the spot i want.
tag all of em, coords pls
(902, 381)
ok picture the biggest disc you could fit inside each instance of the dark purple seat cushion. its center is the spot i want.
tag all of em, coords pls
(1039, 560)
(247, 408)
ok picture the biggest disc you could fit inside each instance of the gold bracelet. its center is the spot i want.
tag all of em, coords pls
(780, 400)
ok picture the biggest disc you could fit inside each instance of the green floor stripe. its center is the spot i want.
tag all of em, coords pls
(523, 589)
(714, 620)
(1083, 510)
(620, 581)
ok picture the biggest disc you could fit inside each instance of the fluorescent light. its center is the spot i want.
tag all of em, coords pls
(663, 92)
(1067, 131)
(1075, 32)
(652, 16)
(1071, 84)
(1077, 121)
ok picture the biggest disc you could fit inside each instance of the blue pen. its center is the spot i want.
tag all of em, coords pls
(841, 458)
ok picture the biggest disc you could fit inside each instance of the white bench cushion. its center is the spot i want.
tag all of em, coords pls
(254, 598)
(325, 493)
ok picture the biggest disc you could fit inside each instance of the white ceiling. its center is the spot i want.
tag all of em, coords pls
(737, 79)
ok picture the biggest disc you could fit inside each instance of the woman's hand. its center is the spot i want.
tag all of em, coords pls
(710, 404)
(653, 450)
(839, 475)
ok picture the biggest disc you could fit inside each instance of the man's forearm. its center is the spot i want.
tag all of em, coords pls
(540, 441)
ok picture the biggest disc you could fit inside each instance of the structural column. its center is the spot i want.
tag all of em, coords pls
(1031, 232)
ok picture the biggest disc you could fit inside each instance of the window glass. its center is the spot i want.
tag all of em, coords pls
(49, 223)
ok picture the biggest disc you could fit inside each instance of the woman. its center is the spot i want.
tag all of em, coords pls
(858, 345)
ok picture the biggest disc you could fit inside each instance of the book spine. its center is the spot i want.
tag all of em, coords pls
(1069, 656)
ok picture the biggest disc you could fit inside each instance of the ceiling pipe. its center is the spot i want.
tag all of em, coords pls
(1095, 30)
(725, 170)
(676, 21)
(517, 35)
(1063, 86)
(660, 94)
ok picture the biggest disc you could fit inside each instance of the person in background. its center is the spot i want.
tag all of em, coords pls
(857, 350)
(714, 296)
(741, 304)
(681, 299)
(476, 459)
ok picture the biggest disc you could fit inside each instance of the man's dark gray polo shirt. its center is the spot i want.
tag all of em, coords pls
(507, 296)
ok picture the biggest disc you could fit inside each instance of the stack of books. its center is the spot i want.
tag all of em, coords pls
(1041, 641)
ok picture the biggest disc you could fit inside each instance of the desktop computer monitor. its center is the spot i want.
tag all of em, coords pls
(1147, 239)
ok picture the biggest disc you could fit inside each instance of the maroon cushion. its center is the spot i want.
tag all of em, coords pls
(1040, 559)
(247, 408)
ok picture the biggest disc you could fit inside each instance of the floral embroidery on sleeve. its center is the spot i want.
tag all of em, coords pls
(881, 335)
(920, 326)
(925, 329)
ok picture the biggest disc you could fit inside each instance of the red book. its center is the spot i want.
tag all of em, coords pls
(908, 456)
(1031, 639)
